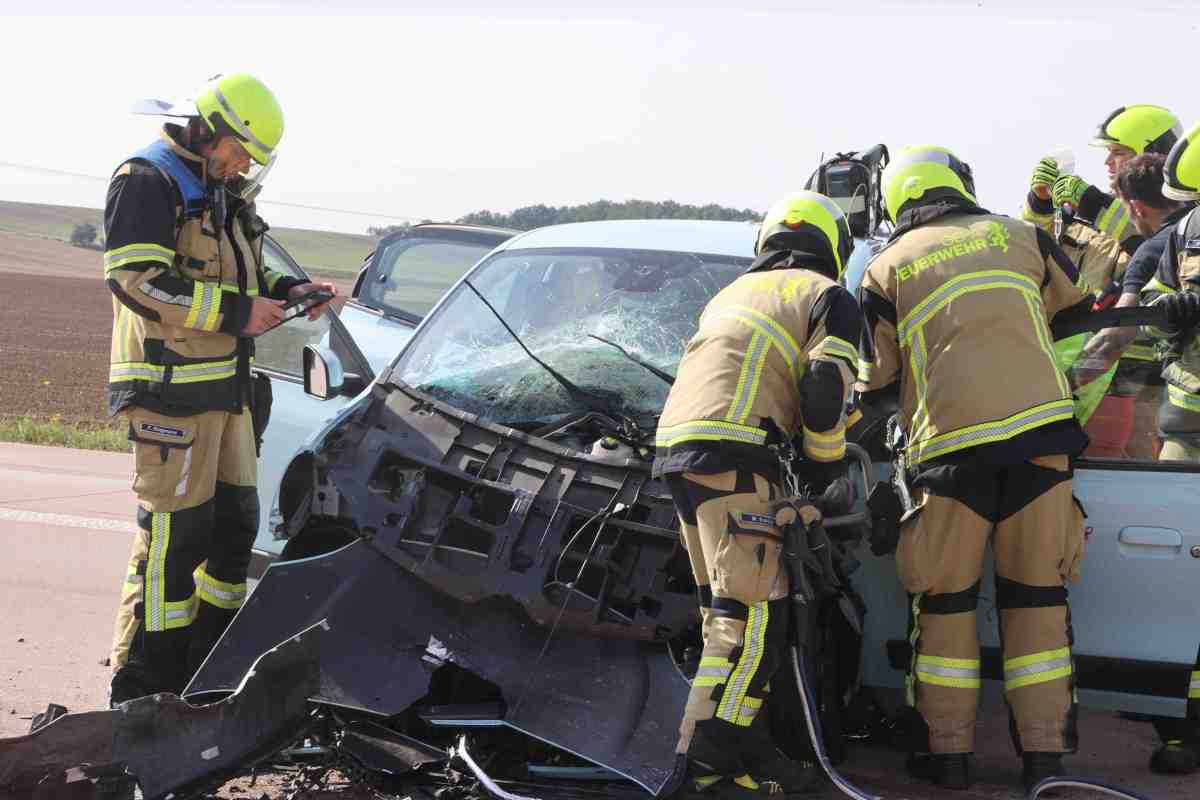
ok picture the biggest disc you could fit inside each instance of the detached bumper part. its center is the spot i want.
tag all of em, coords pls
(167, 745)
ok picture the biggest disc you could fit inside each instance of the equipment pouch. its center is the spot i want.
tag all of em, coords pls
(260, 408)
(886, 510)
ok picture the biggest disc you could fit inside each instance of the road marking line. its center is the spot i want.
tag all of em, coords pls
(67, 520)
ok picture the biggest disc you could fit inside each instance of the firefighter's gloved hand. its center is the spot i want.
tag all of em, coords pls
(1182, 309)
(1068, 189)
(1044, 176)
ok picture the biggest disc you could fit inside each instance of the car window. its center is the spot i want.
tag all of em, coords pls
(576, 309)
(1126, 403)
(411, 273)
(281, 350)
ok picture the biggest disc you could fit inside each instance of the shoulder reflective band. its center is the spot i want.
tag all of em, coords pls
(1112, 318)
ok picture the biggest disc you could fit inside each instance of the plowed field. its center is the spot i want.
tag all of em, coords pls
(55, 328)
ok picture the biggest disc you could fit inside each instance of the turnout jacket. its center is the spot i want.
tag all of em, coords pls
(774, 356)
(183, 261)
(1178, 271)
(956, 319)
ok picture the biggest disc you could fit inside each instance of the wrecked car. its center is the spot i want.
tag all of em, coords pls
(474, 544)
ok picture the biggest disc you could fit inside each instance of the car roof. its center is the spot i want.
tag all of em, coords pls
(685, 235)
(462, 226)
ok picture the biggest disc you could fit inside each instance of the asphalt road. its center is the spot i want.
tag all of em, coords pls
(65, 522)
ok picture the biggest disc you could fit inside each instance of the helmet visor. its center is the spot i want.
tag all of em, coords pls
(249, 183)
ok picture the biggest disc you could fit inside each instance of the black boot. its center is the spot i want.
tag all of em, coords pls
(1175, 757)
(701, 783)
(948, 770)
(1038, 767)
(790, 776)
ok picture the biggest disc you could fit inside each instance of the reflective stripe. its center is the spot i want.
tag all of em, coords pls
(236, 122)
(1038, 318)
(1048, 665)
(1181, 398)
(749, 710)
(1155, 285)
(828, 446)
(963, 284)
(709, 430)
(181, 614)
(135, 371)
(923, 156)
(748, 379)
(218, 593)
(208, 371)
(768, 327)
(1113, 220)
(833, 346)
(917, 360)
(1140, 352)
(119, 257)
(156, 579)
(957, 673)
(914, 636)
(996, 431)
(251, 291)
(133, 585)
(753, 644)
(1194, 687)
(205, 308)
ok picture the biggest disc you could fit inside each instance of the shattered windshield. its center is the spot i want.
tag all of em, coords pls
(646, 301)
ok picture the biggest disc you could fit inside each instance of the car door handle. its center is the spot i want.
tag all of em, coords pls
(1151, 537)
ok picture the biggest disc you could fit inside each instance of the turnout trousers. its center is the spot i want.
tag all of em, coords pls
(734, 545)
(198, 515)
(1036, 528)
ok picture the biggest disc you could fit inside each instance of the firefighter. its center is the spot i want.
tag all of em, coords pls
(1176, 287)
(953, 307)
(190, 290)
(773, 359)
(1124, 424)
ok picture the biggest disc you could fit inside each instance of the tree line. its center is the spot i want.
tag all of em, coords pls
(540, 215)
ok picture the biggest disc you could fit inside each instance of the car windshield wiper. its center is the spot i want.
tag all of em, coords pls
(666, 376)
(591, 400)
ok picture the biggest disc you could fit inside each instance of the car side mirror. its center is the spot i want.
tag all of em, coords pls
(323, 374)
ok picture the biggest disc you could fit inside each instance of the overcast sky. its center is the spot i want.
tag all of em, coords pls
(415, 112)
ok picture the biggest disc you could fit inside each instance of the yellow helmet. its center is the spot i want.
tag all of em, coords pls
(240, 105)
(811, 222)
(925, 174)
(1181, 173)
(1142, 128)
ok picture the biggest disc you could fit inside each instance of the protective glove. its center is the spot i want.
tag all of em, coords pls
(1068, 189)
(1182, 309)
(1044, 176)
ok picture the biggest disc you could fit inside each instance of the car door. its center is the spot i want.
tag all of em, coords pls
(1136, 610)
(294, 415)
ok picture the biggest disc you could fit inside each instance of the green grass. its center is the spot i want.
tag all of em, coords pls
(324, 252)
(46, 222)
(53, 431)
